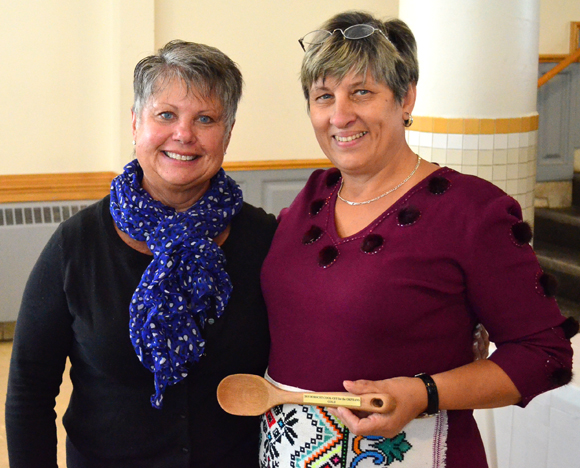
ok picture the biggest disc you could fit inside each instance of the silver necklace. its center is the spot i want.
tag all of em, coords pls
(351, 203)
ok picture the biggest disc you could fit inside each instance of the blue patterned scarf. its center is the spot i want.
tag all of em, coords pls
(186, 279)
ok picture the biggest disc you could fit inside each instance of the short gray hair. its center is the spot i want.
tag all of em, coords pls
(203, 69)
(392, 62)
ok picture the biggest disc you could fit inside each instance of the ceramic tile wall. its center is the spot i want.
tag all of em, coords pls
(506, 159)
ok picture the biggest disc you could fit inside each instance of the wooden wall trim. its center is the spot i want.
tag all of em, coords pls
(54, 187)
(549, 58)
(277, 165)
(95, 185)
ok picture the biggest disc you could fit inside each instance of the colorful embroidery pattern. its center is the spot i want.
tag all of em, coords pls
(383, 452)
(319, 448)
(309, 437)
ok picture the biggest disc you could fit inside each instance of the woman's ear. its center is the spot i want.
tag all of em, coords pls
(134, 123)
(409, 99)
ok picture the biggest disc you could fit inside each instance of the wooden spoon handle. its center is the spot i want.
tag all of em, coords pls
(251, 395)
(369, 402)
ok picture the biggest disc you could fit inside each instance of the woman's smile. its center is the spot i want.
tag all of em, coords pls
(180, 157)
(346, 139)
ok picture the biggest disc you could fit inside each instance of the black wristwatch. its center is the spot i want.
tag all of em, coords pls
(432, 396)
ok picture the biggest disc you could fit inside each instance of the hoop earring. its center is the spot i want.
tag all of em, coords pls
(408, 122)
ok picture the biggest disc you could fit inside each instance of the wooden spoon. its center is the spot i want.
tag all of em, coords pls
(252, 395)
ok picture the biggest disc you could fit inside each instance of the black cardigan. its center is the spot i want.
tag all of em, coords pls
(76, 304)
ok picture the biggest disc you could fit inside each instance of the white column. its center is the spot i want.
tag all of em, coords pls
(476, 104)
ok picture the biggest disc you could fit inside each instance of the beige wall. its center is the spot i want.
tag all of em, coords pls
(53, 68)
(555, 17)
(262, 37)
(65, 84)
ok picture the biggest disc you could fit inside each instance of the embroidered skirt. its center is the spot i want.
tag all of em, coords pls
(297, 436)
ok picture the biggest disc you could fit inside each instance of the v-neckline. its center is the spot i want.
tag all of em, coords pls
(330, 227)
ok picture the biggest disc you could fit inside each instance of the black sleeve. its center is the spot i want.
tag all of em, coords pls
(42, 339)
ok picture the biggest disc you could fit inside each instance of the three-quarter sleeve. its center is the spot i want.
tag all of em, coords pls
(514, 299)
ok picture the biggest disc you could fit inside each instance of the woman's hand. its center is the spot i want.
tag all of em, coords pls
(480, 384)
(480, 343)
(411, 398)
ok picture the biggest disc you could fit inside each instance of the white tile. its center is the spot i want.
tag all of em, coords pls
(533, 138)
(523, 155)
(513, 140)
(513, 155)
(440, 140)
(522, 186)
(524, 139)
(469, 170)
(470, 142)
(500, 156)
(485, 172)
(512, 187)
(485, 157)
(413, 138)
(469, 157)
(456, 167)
(500, 141)
(501, 184)
(454, 141)
(454, 156)
(440, 159)
(499, 172)
(414, 148)
(529, 203)
(439, 156)
(522, 171)
(532, 153)
(426, 139)
(425, 152)
(486, 142)
(512, 171)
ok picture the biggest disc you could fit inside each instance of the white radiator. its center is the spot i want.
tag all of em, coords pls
(24, 230)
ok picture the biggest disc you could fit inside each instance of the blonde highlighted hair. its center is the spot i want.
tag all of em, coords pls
(392, 62)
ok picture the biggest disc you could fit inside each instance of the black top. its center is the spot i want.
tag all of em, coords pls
(76, 304)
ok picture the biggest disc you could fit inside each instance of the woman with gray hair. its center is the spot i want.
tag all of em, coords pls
(381, 268)
(152, 293)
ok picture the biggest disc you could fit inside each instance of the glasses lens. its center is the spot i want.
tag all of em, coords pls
(358, 31)
(316, 37)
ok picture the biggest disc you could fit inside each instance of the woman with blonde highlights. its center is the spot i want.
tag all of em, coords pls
(380, 270)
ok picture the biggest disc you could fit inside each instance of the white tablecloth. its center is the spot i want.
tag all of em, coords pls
(546, 434)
